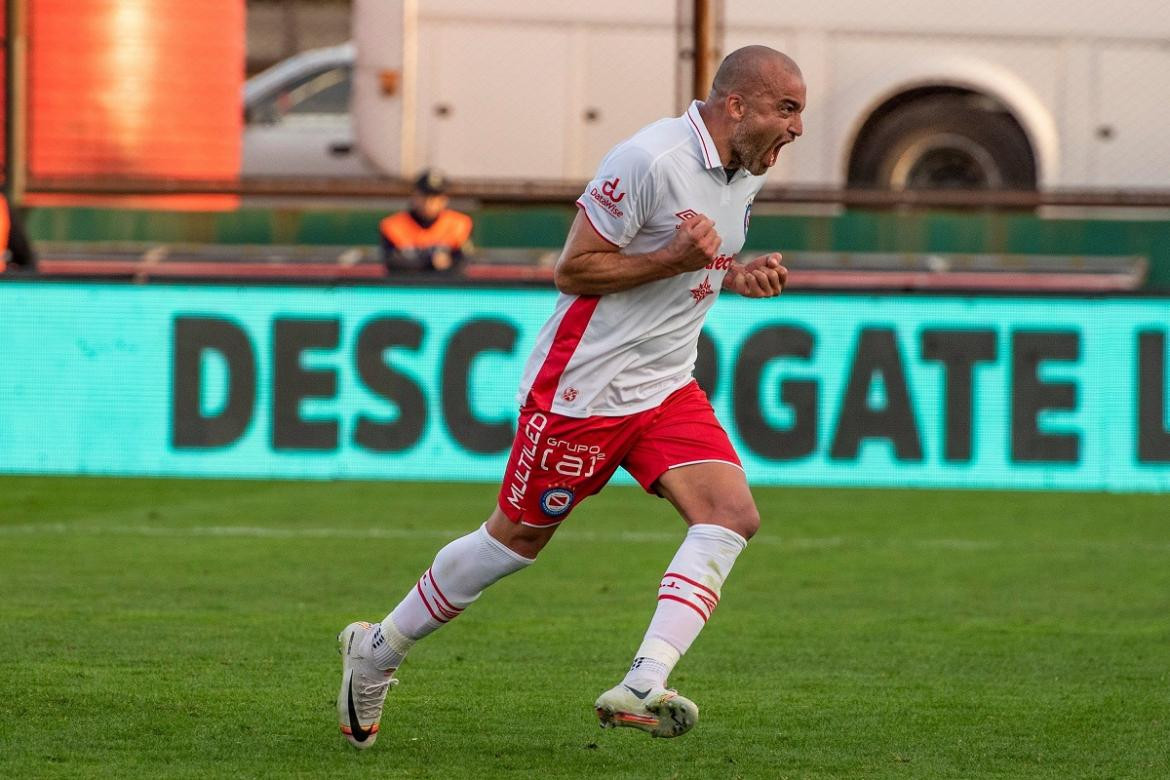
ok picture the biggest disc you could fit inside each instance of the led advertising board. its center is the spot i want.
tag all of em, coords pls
(419, 383)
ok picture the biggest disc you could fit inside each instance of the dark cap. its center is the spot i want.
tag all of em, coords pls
(431, 182)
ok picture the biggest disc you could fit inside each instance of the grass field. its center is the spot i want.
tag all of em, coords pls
(186, 629)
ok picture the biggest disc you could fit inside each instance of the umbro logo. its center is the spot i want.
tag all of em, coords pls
(684, 215)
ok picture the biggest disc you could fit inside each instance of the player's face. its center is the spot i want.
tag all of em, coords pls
(771, 119)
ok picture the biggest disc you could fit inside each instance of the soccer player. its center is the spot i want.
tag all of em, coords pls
(610, 384)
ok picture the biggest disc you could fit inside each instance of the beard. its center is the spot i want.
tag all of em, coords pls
(752, 152)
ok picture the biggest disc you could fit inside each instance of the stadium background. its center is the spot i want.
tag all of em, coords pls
(190, 323)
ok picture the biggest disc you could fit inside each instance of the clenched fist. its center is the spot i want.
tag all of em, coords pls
(763, 277)
(694, 246)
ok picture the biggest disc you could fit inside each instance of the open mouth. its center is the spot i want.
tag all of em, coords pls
(773, 153)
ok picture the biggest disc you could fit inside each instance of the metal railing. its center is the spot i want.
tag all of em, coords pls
(552, 192)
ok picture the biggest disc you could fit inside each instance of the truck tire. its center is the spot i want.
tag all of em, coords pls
(944, 142)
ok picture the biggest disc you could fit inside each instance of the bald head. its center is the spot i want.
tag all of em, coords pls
(754, 107)
(751, 70)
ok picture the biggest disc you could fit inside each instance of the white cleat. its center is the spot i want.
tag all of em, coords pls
(363, 688)
(659, 711)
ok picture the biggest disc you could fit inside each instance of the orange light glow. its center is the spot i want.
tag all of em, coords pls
(136, 89)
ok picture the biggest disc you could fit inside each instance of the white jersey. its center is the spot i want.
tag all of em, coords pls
(625, 352)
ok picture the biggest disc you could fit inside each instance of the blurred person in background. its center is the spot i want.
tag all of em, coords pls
(610, 382)
(18, 251)
(428, 236)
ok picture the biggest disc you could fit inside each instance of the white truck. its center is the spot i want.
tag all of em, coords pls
(911, 94)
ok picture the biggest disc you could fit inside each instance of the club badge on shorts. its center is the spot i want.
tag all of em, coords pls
(555, 502)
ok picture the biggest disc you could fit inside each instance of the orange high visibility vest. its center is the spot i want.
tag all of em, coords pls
(450, 230)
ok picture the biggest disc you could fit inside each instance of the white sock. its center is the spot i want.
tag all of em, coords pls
(459, 574)
(687, 596)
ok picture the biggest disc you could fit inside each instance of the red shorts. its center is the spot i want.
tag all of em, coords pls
(557, 461)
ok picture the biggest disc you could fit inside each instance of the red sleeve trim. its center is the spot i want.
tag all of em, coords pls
(589, 219)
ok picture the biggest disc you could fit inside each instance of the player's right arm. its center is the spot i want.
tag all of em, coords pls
(592, 265)
(622, 197)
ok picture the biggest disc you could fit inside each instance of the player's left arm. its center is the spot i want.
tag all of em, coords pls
(763, 277)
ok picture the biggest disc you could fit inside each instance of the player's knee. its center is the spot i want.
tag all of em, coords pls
(748, 522)
(521, 539)
(741, 517)
(528, 541)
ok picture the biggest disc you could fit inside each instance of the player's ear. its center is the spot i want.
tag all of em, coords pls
(736, 108)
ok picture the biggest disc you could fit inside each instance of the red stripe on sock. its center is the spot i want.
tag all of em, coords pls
(423, 596)
(454, 610)
(438, 605)
(688, 580)
(684, 601)
(709, 603)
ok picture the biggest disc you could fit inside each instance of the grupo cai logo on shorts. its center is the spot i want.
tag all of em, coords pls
(554, 502)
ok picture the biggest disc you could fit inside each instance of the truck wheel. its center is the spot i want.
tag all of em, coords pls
(944, 142)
